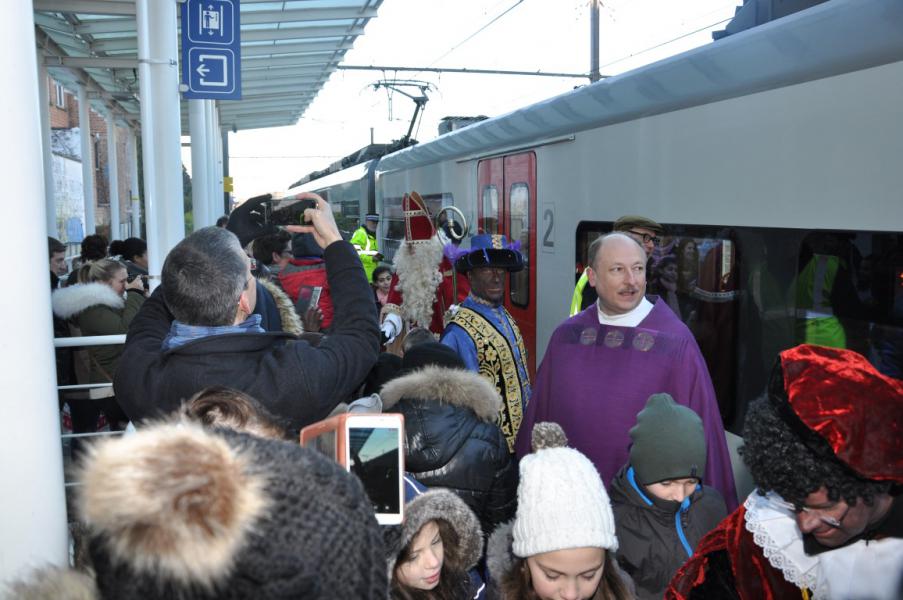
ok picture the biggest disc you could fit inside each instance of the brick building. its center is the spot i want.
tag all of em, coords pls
(66, 146)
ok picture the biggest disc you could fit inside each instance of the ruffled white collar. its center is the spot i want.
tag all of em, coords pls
(774, 529)
(853, 572)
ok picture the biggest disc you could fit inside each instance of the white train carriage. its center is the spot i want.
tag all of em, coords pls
(760, 153)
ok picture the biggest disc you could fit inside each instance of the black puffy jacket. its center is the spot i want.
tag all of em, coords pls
(649, 541)
(452, 441)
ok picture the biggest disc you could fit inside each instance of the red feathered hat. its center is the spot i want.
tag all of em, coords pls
(840, 396)
(418, 224)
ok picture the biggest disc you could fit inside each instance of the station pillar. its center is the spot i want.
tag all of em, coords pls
(158, 78)
(84, 131)
(134, 195)
(32, 506)
(200, 179)
(47, 150)
(113, 175)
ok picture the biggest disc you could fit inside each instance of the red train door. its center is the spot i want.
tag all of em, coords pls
(507, 205)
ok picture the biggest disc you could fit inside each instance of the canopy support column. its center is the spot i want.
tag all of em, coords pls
(84, 130)
(134, 194)
(47, 148)
(113, 176)
(160, 128)
(33, 505)
(200, 179)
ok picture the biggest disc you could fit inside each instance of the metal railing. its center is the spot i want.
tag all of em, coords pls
(81, 342)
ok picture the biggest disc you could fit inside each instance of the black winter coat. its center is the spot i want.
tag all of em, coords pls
(452, 441)
(293, 380)
(649, 546)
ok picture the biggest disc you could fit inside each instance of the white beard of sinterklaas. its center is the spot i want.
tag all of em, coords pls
(417, 267)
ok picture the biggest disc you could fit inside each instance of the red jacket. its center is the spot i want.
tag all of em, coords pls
(300, 276)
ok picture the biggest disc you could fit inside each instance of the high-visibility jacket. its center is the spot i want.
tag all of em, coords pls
(367, 248)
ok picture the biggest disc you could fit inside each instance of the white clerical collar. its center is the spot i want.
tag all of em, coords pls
(628, 319)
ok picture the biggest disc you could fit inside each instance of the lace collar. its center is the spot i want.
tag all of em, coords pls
(774, 529)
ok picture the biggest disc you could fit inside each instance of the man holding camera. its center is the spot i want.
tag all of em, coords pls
(198, 329)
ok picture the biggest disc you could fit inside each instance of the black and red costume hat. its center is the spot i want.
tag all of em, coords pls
(839, 396)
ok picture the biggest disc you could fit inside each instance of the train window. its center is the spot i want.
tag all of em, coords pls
(489, 222)
(393, 219)
(748, 293)
(519, 229)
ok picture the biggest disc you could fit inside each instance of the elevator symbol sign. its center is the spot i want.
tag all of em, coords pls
(211, 49)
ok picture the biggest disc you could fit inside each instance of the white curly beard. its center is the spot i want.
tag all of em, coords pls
(418, 273)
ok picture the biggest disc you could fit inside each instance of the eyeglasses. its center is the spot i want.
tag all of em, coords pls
(646, 237)
(826, 519)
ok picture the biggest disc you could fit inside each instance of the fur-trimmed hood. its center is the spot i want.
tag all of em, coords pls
(53, 583)
(70, 301)
(456, 387)
(436, 504)
(291, 322)
(499, 555)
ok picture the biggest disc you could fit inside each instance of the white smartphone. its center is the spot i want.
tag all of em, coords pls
(371, 446)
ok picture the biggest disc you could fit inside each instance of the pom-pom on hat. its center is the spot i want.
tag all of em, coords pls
(561, 502)
(668, 442)
(418, 224)
(490, 250)
(839, 396)
(176, 511)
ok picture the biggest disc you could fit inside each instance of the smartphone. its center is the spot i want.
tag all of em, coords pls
(290, 210)
(371, 447)
(315, 296)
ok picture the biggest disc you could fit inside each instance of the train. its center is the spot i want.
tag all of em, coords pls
(773, 158)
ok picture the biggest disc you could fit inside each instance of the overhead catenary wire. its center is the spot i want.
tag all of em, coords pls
(478, 31)
(665, 43)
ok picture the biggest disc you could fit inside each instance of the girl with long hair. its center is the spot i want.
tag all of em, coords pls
(429, 556)
(562, 542)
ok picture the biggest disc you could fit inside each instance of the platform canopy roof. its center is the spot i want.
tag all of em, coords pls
(288, 51)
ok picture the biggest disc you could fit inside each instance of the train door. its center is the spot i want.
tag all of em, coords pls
(507, 205)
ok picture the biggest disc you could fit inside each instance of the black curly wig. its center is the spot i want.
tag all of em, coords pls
(785, 456)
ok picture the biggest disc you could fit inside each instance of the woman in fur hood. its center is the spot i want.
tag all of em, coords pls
(433, 553)
(451, 439)
(103, 302)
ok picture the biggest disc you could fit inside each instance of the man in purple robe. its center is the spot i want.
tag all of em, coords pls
(602, 364)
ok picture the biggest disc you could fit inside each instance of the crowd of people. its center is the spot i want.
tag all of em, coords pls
(608, 477)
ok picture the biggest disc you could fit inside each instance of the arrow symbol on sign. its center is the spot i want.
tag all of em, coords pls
(203, 69)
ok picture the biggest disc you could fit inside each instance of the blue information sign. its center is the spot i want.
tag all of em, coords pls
(211, 49)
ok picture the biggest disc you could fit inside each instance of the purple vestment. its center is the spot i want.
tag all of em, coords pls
(595, 378)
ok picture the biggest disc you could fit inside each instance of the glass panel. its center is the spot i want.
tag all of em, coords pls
(392, 220)
(519, 216)
(746, 298)
(490, 221)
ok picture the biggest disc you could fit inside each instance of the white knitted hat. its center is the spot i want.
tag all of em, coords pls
(561, 502)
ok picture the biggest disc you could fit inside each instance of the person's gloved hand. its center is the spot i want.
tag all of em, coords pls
(391, 327)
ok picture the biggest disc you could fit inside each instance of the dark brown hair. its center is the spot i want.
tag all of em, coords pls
(220, 406)
(454, 582)
(518, 585)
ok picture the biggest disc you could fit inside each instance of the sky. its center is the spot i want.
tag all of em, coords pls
(521, 35)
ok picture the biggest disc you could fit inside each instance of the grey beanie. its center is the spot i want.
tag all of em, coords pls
(668, 442)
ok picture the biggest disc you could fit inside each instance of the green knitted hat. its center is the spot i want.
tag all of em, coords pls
(668, 442)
